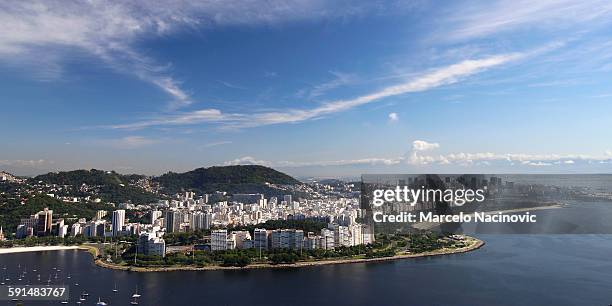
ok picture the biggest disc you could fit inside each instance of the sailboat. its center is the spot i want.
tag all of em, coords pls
(135, 297)
(115, 289)
(100, 303)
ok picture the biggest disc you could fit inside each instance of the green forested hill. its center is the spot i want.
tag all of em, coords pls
(233, 179)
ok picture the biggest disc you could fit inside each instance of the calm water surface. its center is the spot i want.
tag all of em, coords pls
(508, 270)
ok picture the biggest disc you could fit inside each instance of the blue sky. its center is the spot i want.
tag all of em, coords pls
(313, 88)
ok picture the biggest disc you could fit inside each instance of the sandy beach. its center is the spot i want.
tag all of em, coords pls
(36, 249)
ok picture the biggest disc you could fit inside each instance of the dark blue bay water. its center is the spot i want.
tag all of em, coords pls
(508, 270)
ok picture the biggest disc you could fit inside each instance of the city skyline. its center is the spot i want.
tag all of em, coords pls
(311, 88)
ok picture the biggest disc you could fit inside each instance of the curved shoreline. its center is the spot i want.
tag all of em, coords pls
(37, 249)
(99, 262)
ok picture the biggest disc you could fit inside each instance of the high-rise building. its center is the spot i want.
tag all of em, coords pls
(241, 238)
(311, 241)
(368, 234)
(151, 245)
(288, 200)
(172, 220)
(76, 229)
(260, 239)
(155, 214)
(327, 239)
(118, 222)
(287, 239)
(95, 228)
(356, 234)
(100, 214)
(62, 231)
(341, 235)
(44, 222)
(218, 240)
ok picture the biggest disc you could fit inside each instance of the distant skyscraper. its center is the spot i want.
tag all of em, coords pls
(118, 221)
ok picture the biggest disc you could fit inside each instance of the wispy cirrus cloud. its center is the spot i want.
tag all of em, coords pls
(482, 19)
(127, 142)
(426, 81)
(339, 79)
(216, 143)
(477, 19)
(112, 30)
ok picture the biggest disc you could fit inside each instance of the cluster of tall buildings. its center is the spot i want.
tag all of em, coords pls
(333, 236)
(98, 227)
(186, 213)
(41, 224)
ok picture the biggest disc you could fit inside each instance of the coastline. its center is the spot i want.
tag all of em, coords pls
(477, 244)
(37, 249)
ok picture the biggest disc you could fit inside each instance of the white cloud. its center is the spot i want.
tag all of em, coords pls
(246, 160)
(340, 79)
(111, 30)
(24, 163)
(217, 143)
(393, 117)
(524, 159)
(422, 145)
(536, 164)
(426, 81)
(484, 19)
(417, 159)
(128, 142)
